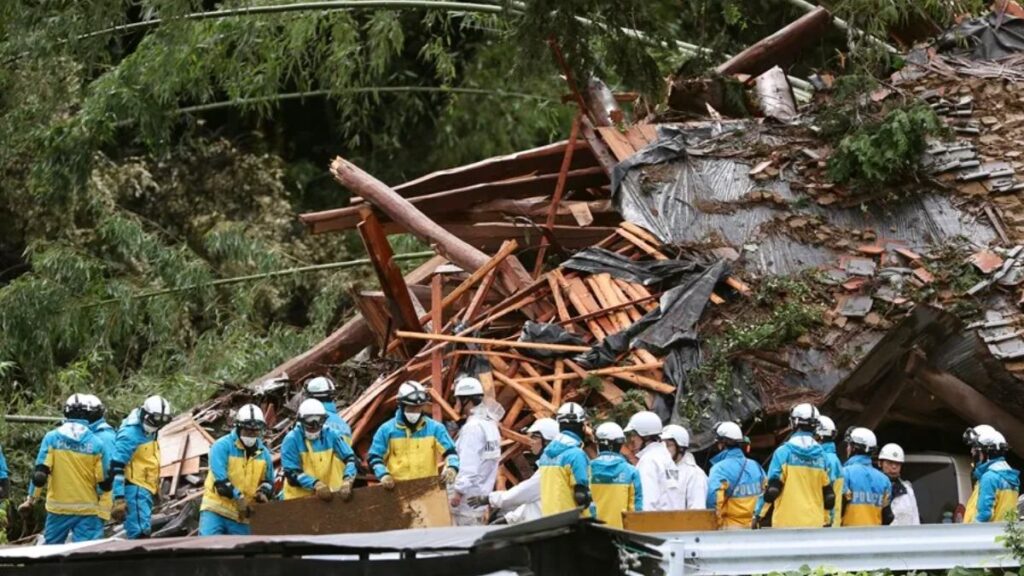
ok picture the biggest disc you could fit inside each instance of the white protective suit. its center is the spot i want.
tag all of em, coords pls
(521, 503)
(904, 507)
(659, 478)
(479, 449)
(694, 483)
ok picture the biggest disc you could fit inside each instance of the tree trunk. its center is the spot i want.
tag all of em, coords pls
(780, 48)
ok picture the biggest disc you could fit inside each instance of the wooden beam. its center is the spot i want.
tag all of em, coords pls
(491, 342)
(556, 198)
(598, 147)
(888, 390)
(390, 277)
(535, 401)
(437, 356)
(781, 47)
(513, 275)
(610, 371)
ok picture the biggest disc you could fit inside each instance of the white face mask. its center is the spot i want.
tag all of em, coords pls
(149, 429)
(413, 417)
(311, 435)
(249, 441)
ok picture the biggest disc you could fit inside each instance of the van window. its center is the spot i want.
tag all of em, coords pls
(935, 486)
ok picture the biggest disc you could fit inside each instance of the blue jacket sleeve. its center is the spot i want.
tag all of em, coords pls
(4, 473)
(778, 458)
(714, 485)
(580, 466)
(344, 451)
(444, 440)
(291, 461)
(44, 451)
(346, 430)
(986, 497)
(638, 492)
(125, 444)
(378, 452)
(219, 464)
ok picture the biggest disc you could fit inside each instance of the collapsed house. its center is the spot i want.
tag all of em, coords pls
(707, 269)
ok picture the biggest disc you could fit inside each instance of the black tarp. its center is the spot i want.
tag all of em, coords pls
(989, 37)
(647, 272)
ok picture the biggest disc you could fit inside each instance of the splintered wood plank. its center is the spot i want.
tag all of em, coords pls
(513, 412)
(534, 400)
(613, 288)
(641, 244)
(637, 292)
(440, 404)
(617, 142)
(556, 292)
(540, 383)
(437, 356)
(593, 325)
(636, 138)
(584, 301)
(556, 395)
(641, 233)
(521, 439)
(617, 317)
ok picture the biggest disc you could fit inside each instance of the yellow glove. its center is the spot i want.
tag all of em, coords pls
(388, 482)
(119, 511)
(346, 490)
(323, 492)
(448, 475)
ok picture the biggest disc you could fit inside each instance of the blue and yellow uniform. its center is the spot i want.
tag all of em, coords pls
(734, 487)
(411, 453)
(336, 422)
(236, 473)
(995, 492)
(615, 487)
(327, 459)
(834, 517)
(5, 492)
(866, 492)
(563, 466)
(136, 473)
(75, 462)
(106, 434)
(800, 468)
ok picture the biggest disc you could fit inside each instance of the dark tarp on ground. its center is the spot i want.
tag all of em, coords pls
(990, 37)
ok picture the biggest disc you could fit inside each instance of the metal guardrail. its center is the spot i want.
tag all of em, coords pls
(896, 548)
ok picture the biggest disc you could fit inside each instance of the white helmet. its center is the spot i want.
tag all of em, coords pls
(76, 407)
(468, 386)
(677, 434)
(320, 387)
(155, 413)
(250, 417)
(94, 407)
(312, 408)
(571, 413)
(826, 428)
(972, 435)
(412, 393)
(892, 453)
(860, 437)
(992, 441)
(728, 432)
(804, 415)
(610, 432)
(546, 427)
(645, 423)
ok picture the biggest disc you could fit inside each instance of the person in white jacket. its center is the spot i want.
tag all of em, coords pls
(479, 448)
(659, 475)
(692, 479)
(521, 503)
(904, 503)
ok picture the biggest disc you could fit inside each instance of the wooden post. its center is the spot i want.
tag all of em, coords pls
(391, 282)
(512, 274)
(781, 47)
(556, 198)
(437, 322)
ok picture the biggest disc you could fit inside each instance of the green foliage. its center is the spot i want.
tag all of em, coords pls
(1013, 539)
(887, 151)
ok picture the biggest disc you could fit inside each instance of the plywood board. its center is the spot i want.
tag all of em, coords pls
(670, 521)
(413, 504)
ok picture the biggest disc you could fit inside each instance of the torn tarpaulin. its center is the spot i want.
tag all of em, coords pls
(990, 37)
(647, 272)
(547, 334)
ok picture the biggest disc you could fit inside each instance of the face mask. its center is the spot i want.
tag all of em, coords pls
(148, 429)
(413, 417)
(249, 441)
(311, 435)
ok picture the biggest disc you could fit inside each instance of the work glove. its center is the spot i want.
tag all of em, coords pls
(261, 498)
(448, 475)
(119, 511)
(581, 495)
(25, 508)
(323, 492)
(478, 501)
(388, 482)
(345, 492)
(245, 509)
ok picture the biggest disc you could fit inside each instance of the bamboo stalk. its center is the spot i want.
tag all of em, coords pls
(491, 342)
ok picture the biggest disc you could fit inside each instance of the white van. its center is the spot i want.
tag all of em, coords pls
(942, 485)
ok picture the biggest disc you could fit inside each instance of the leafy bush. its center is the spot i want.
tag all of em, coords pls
(884, 152)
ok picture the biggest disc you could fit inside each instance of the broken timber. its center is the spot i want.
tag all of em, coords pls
(779, 48)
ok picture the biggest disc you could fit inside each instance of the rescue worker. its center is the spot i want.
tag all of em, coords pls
(904, 502)
(866, 491)
(241, 472)
(614, 482)
(736, 482)
(692, 479)
(408, 446)
(521, 503)
(825, 434)
(95, 415)
(479, 450)
(564, 466)
(798, 491)
(997, 485)
(136, 466)
(658, 472)
(71, 466)
(323, 389)
(315, 459)
(5, 493)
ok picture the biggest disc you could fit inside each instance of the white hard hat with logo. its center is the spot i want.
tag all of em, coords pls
(468, 386)
(892, 453)
(609, 432)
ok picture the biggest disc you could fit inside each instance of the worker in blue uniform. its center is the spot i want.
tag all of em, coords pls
(316, 461)
(241, 472)
(736, 482)
(322, 388)
(867, 492)
(825, 434)
(564, 467)
(614, 482)
(997, 484)
(798, 492)
(136, 466)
